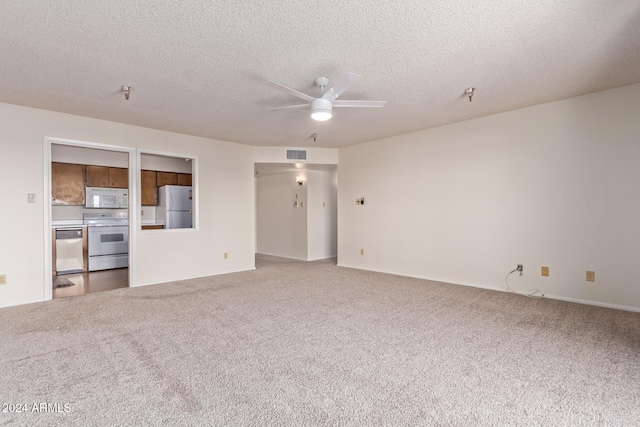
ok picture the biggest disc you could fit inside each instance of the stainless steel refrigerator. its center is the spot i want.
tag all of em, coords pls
(174, 207)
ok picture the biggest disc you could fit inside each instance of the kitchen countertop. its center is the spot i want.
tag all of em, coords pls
(67, 223)
(78, 223)
(151, 222)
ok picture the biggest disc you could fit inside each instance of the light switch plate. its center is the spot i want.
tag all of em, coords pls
(31, 197)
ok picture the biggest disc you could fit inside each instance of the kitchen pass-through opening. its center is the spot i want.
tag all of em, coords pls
(89, 219)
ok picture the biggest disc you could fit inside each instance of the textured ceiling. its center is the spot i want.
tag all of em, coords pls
(199, 66)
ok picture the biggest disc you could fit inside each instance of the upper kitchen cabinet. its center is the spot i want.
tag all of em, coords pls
(151, 180)
(149, 188)
(97, 176)
(184, 179)
(118, 178)
(103, 176)
(67, 184)
(167, 178)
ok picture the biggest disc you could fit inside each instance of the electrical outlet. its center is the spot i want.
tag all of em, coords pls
(544, 271)
(519, 268)
(361, 251)
(226, 255)
(591, 276)
(3, 279)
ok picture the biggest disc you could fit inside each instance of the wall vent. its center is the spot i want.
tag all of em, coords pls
(296, 154)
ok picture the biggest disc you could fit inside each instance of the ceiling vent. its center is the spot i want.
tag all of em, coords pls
(297, 154)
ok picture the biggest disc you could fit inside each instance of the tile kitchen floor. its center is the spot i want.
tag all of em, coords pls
(96, 281)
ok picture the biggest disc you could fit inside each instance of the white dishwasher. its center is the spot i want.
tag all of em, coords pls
(69, 250)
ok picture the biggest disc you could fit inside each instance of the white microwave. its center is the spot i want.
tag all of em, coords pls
(111, 198)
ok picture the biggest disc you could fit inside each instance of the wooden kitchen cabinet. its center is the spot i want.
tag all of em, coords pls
(153, 227)
(97, 176)
(118, 178)
(166, 178)
(149, 188)
(107, 177)
(151, 180)
(184, 179)
(67, 184)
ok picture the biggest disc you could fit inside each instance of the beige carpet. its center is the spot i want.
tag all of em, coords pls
(296, 343)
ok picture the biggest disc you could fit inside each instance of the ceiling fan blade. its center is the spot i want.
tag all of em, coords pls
(354, 103)
(341, 85)
(290, 106)
(291, 91)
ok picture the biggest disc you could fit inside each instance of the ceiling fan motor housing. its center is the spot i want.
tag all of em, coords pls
(321, 81)
(321, 109)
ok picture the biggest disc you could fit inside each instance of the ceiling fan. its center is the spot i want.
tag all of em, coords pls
(321, 106)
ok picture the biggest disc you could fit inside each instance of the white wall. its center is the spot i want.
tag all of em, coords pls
(281, 228)
(88, 156)
(315, 155)
(165, 164)
(321, 214)
(551, 185)
(225, 195)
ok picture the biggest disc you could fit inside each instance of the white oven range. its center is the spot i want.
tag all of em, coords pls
(108, 240)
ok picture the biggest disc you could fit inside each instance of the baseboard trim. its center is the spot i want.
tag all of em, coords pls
(191, 278)
(15, 304)
(281, 256)
(493, 288)
(595, 303)
(323, 258)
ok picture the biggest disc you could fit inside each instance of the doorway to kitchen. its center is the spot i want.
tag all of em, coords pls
(89, 217)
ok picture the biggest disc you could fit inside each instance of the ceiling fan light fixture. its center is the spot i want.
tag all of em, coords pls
(321, 116)
(321, 109)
